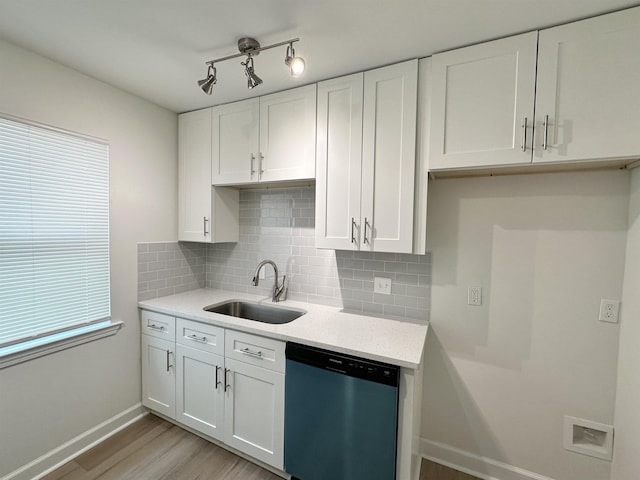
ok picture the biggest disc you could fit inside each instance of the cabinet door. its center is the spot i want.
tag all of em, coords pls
(199, 390)
(254, 412)
(288, 135)
(235, 142)
(589, 89)
(481, 97)
(388, 157)
(194, 174)
(339, 163)
(158, 375)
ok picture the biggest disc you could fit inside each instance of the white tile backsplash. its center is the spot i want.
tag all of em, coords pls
(279, 224)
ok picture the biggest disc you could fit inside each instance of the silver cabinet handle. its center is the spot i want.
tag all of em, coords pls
(169, 352)
(524, 134)
(217, 381)
(261, 170)
(366, 224)
(246, 351)
(205, 220)
(253, 159)
(545, 137)
(196, 338)
(153, 326)
(226, 385)
(353, 226)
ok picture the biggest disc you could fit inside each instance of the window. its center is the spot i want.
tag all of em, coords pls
(54, 237)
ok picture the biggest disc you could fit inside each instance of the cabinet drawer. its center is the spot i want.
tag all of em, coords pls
(200, 335)
(158, 325)
(259, 351)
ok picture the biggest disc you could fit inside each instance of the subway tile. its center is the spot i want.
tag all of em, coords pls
(142, 248)
(155, 266)
(148, 257)
(373, 265)
(384, 299)
(417, 314)
(395, 267)
(163, 292)
(157, 247)
(406, 301)
(407, 279)
(157, 284)
(147, 276)
(394, 310)
(375, 308)
(418, 290)
(149, 295)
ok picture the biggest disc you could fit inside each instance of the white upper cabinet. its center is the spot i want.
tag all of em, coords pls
(235, 142)
(266, 139)
(388, 158)
(339, 163)
(366, 160)
(205, 214)
(482, 100)
(588, 91)
(288, 135)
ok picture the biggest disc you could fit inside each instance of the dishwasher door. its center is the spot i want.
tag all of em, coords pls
(341, 416)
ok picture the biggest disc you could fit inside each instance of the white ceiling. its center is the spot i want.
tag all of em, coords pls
(156, 49)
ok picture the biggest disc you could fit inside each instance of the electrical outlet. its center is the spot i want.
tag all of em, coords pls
(609, 310)
(474, 296)
(382, 285)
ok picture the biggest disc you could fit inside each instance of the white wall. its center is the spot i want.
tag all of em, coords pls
(626, 462)
(48, 401)
(499, 378)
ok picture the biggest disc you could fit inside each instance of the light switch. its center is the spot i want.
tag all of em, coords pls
(382, 285)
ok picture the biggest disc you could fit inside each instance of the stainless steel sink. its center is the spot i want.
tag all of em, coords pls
(255, 311)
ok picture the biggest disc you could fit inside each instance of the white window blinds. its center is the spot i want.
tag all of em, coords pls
(54, 232)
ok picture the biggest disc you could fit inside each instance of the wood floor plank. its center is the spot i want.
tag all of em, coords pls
(154, 449)
(434, 471)
(146, 427)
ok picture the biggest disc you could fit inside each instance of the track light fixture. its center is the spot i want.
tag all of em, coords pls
(250, 47)
(207, 84)
(295, 64)
(252, 79)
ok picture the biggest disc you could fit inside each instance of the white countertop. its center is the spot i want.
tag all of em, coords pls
(395, 341)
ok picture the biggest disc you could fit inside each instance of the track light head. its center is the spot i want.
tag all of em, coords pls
(253, 80)
(207, 84)
(295, 64)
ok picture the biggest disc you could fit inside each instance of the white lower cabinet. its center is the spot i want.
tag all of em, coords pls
(158, 375)
(254, 412)
(225, 384)
(200, 391)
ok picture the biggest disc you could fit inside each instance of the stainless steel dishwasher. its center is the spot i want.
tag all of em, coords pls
(341, 416)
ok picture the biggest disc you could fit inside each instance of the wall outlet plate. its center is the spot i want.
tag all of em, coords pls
(382, 285)
(474, 296)
(609, 310)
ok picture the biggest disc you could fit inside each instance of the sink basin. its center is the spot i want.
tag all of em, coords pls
(255, 311)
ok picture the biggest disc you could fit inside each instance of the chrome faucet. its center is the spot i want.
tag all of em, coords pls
(278, 290)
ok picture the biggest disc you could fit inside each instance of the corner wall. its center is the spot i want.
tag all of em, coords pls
(626, 462)
(500, 377)
(53, 399)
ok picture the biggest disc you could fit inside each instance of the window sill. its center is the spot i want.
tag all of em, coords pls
(23, 353)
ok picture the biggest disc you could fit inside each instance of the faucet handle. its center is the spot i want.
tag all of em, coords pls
(280, 293)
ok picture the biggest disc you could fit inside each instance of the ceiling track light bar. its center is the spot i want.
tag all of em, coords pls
(247, 46)
(250, 47)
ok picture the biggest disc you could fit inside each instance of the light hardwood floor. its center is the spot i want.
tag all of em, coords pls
(154, 449)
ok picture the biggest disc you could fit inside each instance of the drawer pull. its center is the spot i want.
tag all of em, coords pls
(196, 338)
(246, 351)
(217, 381)
(169, 365)
(153, 326)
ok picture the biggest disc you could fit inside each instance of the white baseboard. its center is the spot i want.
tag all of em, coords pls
(66, 452)
(472, 464)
